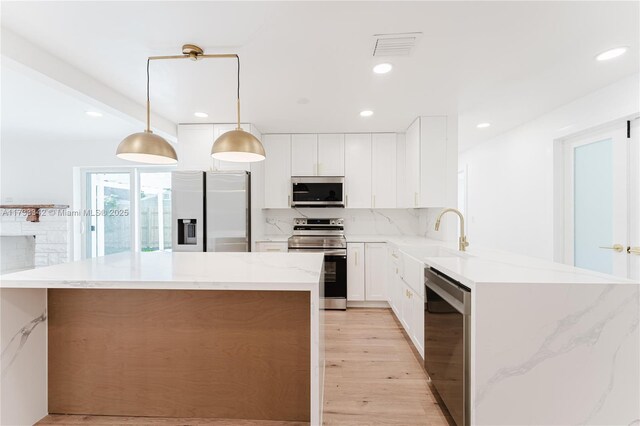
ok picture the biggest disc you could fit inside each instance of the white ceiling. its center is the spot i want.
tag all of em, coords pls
(34, 110)
(500, 62)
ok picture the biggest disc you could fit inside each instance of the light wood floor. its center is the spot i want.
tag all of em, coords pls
(373, 377)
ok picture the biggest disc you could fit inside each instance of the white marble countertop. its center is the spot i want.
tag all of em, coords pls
(177, 271)
(479, 265)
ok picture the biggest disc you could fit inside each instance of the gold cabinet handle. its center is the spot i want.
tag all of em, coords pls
(415, 199)
(374, 202)
(346, 200)
(616, 247)
(634, 250)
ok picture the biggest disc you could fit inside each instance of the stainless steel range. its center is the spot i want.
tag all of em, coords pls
(326, 236)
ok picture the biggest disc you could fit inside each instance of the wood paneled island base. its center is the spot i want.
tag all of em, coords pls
(180, 353)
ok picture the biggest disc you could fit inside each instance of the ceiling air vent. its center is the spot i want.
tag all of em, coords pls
(400, 44)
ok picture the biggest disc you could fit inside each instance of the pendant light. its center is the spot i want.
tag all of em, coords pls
(235, 145)
(238, 145)
(147, 147)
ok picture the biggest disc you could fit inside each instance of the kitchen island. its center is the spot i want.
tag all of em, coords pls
(219, 335)
(550, 344)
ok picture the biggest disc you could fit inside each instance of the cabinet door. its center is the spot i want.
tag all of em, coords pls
(331, 155)
(391, 276)
(412, 164)
(406, 317)
(304, 155)
(194, 146)
(355, 271)
(376, 271)
(433, 162)
(401, 181)
(383, 170)
(219, 130)
(417, 323)
(357, 177)
(277, 171)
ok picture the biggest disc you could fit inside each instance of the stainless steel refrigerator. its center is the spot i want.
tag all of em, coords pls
(211, 211)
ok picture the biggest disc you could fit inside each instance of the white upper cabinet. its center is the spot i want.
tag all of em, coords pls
(383, 176)
(330, 155)
(219, 130)
(357, 176)
(304, 155)
(426, 162)
(412, 164)
(194, 146)
(277, 171)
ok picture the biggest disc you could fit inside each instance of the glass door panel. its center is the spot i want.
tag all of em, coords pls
(108, 227)
(155, 211)
(593, 206)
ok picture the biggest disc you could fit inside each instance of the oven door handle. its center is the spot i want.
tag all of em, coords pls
(327, 252)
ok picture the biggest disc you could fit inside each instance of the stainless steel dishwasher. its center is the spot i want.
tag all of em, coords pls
(447, 319)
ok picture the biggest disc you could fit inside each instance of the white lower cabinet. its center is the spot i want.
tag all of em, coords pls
(417, 322)
(355, 272)
(367, 272)
(375, 271)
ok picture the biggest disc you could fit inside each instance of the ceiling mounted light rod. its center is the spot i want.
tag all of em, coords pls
(236, 145)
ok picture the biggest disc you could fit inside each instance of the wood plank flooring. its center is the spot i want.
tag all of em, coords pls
(372, 378)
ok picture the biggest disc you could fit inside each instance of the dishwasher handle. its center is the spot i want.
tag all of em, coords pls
(455, 294)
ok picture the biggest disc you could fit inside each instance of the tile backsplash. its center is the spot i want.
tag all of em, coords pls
(356, 221)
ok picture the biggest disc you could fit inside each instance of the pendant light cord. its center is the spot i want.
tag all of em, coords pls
(148, 101)
(178, 57)
(238, 92)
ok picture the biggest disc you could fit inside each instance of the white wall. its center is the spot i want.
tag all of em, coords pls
(37, 171)
(511, 177)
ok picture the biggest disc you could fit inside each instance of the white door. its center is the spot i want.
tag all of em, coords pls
(355, 272)
(633, 245)
(383, 170)
(277, 171)
(304, 155)
(357, 177)
(376, 271)
(331, 155)
(601, 217)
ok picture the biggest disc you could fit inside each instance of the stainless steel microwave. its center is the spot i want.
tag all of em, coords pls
(321, 191)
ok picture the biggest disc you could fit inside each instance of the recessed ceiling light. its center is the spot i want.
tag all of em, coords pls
(612, 53)
(483, 125)
(93, 113)
(382, 68)
(201, 114)
(366, 113)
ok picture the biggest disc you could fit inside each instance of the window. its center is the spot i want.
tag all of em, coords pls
(126, 209)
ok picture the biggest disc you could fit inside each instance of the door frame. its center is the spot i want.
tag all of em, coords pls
(80, 201)
(563, 181)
